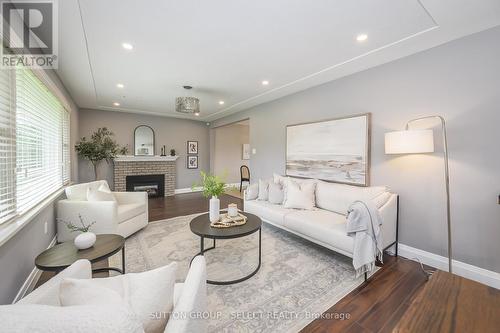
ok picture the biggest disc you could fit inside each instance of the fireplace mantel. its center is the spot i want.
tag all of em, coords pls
(156, 158)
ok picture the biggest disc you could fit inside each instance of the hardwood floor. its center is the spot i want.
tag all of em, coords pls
(378, 304)
(185, 204)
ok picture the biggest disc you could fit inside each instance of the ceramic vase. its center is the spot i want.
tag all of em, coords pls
(85, 240)
(213, 213)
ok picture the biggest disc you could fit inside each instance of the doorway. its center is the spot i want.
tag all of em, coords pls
(231, 151)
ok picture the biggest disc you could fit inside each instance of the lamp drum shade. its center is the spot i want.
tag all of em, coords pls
(409, 142)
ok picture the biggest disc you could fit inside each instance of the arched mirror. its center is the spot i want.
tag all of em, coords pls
(144, 141)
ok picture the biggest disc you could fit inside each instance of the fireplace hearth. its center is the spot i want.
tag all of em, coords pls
(153, 184)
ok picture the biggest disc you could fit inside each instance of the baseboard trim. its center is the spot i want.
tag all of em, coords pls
(197, 189)
(468, 271)
(32, 279)
(187, 190)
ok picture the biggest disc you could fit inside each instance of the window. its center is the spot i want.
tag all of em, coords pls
(7, 146)
(34, 142)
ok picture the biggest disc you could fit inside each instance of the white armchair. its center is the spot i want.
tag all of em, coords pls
(190, 297)
(125, 216)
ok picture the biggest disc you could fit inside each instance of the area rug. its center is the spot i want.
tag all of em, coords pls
(296, 283)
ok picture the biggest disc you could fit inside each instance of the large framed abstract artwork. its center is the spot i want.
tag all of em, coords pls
(336, 150)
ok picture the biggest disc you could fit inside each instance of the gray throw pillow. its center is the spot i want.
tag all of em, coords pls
(276, 194)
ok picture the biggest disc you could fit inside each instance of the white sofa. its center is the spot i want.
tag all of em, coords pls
(190, 297)
(125, 216)
(326, 224)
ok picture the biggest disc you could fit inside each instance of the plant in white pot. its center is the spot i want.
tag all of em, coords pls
(213, 187)
(85, 239)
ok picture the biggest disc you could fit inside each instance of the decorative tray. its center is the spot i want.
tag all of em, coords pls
(226, 221)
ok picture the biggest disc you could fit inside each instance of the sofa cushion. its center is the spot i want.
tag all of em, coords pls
(338, 197)
(321, 225)
(299, 195)
(252, 192)
(267, 211)
(278, 179)
(78, 192)
(263, 190)
(128, 211)
(276, 193)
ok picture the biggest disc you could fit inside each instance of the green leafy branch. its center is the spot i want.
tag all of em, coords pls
(212, 185)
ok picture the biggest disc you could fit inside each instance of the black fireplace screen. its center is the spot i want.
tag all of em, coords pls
(153, 184)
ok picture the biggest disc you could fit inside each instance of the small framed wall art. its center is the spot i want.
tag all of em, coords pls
(192, 162)
(192, 147)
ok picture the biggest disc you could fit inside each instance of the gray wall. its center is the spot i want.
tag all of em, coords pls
(17, 256)
(171, 132)
(228, 151)
(459, 80)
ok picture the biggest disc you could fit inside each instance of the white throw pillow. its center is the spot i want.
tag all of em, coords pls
(150, 294)
(263, 190)
(101, 194)
(300, 196)
(278, 179)
(276, 194)
(252, 192)
(117, 318)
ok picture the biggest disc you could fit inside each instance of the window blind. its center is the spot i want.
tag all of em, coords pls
(66, 157)
(42, 141)
(7, 146)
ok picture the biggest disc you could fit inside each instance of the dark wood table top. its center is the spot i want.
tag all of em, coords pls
(450, 303)
(200, 226)
(63, 255)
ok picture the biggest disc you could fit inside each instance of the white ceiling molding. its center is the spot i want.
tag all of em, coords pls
(225, 49)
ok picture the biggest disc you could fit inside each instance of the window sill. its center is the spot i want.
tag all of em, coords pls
(11, 228)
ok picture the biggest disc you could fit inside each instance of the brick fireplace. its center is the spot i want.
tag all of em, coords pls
(139, 166)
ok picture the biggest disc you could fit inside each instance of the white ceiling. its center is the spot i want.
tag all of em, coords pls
(225, 48)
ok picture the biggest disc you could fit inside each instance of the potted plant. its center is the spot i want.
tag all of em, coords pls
(213, 187)
(101, 146)
(85, 239)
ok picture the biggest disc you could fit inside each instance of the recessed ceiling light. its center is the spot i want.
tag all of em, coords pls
(221, 102)
(361, 37)
(265, 83)
(120, 85)
(127, 46)
(116, 104)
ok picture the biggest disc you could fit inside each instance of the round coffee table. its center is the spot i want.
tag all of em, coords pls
(200, 226)
(63, 255)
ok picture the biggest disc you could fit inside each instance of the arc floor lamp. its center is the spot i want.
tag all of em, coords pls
(418, 141)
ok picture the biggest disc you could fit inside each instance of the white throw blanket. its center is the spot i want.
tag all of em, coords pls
(363, 223)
